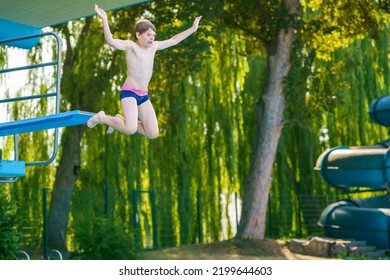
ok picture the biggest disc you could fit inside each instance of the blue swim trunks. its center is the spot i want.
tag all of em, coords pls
(139, 99)
(141, 96)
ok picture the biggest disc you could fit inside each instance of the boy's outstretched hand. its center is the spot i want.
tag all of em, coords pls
(101, 13)
(195, 25)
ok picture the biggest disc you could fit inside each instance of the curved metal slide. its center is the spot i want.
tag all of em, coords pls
(354, 169)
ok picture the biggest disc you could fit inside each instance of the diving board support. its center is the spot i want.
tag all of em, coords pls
(12, 168)
(10, 171)
(56, 94)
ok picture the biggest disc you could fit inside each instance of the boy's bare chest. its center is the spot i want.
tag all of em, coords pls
(141, 56)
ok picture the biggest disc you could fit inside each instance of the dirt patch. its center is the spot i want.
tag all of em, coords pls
(234, 249)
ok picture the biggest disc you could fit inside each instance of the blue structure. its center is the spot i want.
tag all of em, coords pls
(25, 17)
(12, 168)
(351, 220)
(346, 168)
(354, 169)
(21, 23)
(15, 30)
(45, 122)
(9, 172)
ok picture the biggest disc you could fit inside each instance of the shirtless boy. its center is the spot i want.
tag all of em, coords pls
(138, 112)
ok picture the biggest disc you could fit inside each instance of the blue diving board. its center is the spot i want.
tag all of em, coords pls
(64, 119)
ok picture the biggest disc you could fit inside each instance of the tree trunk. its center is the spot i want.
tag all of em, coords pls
(269, 111)
(69, 165)
(66, 176)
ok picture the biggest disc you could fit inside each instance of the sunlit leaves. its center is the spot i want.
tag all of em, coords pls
(336, 24)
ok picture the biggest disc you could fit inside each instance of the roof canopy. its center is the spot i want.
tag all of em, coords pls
(42, 13)
(27, 17)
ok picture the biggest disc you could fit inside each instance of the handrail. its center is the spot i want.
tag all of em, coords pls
(27, 67)
(28, 97)
(56, 94)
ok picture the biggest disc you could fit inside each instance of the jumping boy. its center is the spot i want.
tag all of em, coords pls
(138, 112)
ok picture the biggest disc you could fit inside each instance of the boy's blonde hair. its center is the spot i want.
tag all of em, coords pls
(142, 26)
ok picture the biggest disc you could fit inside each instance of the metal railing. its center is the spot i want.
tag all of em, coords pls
(56, 63)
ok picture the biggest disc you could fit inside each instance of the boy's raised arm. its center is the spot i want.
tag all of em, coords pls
(115, 43)
(179, 37)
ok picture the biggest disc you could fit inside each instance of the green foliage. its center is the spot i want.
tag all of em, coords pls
(9, 235)
(103, 239)
(256, 19)
(336, 24)
(204, 91)
(3, 56)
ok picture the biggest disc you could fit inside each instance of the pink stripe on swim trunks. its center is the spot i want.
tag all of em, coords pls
(139, 92)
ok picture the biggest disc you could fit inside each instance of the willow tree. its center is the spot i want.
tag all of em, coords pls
(325, 26)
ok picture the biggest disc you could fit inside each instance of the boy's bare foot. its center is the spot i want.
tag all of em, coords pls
(110, 130)
(96, 119)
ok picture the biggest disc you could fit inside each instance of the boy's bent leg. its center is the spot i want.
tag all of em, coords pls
(110, 129)
(127, 125)
(102, 118)
(148, 125)
(130, 116)
(140, 128)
